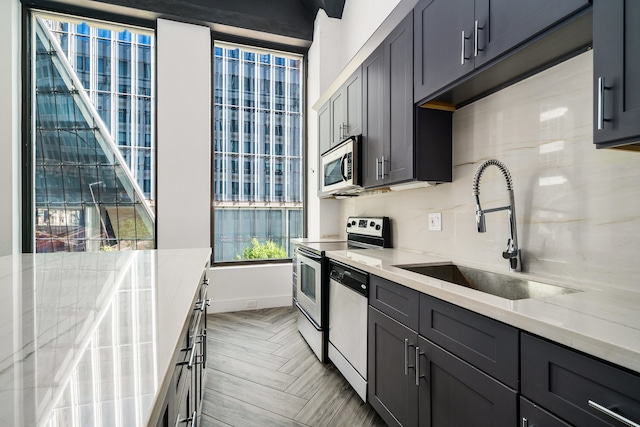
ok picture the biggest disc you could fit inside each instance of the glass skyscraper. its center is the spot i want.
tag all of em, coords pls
(258, 163)
(86, 196)
(116, 70)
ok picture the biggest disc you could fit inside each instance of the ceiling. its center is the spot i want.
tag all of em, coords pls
(285, 19)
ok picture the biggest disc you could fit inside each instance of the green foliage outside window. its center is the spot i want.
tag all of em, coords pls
(257, 250)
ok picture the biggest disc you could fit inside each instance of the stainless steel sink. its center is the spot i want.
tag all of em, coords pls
(501, 285)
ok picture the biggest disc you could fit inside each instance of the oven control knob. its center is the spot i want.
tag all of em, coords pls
(353, 223)
(363, 286)
(371, 224)
(348, 224)
(378, 227)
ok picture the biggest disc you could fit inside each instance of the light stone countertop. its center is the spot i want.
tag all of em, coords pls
(89, 338)
(601, 321)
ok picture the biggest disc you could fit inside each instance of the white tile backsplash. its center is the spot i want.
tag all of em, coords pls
(578, 208)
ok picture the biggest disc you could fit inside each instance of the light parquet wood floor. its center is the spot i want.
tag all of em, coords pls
(261, 372)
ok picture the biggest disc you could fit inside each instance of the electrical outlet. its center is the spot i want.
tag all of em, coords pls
(435, 221)
(251, 303)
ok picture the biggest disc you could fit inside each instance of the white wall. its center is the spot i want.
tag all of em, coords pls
(184, 135)
(578, 208)
(238, 288)
(10, 81)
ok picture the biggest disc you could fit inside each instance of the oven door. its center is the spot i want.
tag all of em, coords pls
(309, 286)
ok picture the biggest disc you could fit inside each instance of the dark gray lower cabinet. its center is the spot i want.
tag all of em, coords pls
(413, 381)
(454, 393)
(577, 388)
(391, 357)
(531, 415)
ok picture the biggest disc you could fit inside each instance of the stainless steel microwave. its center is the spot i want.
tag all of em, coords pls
(340, 167)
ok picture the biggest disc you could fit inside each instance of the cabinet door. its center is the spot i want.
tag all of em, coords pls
(572, 385)
(324, 128)
(397, 164)
(454, 393)
(353, 99)
(337, 117)
(372, 123)
(443, 44)
(532, 415)
(391, 358)
(504, 24)
(616, 64)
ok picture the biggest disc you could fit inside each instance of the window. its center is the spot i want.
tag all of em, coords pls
(93, 167)
(257, 119)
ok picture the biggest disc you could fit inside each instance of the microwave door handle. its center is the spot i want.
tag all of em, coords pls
(344, 159)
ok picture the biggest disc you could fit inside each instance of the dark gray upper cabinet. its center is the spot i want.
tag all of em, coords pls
(346, 109)
(616, 67)
(504, 24)
(388, 109)
(454, 393)
(455, 37)
(324, 128)
(442, 44)
(397, 162)
(400, 145)
(577, 388)
(353, 100)
(372, 123)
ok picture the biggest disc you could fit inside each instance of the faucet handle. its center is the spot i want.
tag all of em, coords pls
(510, 252)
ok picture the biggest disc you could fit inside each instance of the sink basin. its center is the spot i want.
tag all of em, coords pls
(501, 285)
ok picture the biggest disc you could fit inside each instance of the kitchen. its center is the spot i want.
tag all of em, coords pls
(577, 206)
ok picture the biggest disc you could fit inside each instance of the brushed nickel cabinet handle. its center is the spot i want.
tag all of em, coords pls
(462, 49)
(417, 366)
(476, 49)
(406, 356)
(463, 58)
(612, 414)
(601, 89)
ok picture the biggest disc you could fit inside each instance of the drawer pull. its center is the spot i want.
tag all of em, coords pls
(417, 366)
(192, 357)
(612, 414)
(200, 305)
(406, 357)
(193, 419)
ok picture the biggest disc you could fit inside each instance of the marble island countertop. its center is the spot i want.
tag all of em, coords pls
(89, 338)
(601, 321)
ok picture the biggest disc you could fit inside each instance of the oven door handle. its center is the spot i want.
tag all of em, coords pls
(309, 318)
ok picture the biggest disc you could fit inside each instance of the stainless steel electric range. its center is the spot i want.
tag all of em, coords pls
(311, 276)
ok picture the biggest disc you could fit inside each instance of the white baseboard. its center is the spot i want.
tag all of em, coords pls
(241, 304)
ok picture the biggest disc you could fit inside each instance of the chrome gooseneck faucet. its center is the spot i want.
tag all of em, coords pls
(512, 253)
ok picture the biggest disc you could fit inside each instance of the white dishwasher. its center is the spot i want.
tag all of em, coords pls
(348, 301)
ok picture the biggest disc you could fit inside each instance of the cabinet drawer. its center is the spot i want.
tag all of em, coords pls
(394, 300)
(489, 345)
(531, 415)
(564, 382)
